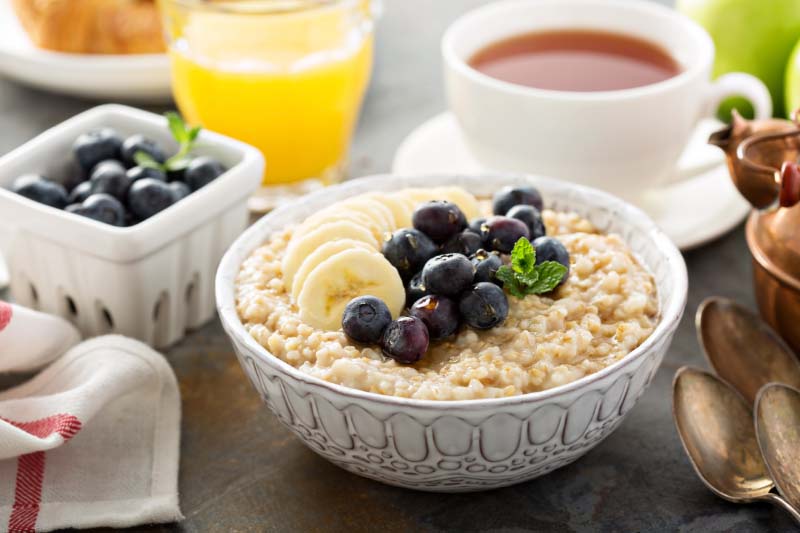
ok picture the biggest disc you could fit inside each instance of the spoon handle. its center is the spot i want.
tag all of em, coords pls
(778, 501)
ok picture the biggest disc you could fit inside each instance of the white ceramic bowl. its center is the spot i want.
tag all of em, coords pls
(151, 281)
(460, 445)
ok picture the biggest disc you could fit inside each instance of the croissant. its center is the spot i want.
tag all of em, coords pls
(92, 26)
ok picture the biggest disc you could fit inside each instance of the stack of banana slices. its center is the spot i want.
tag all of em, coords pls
(335, 255)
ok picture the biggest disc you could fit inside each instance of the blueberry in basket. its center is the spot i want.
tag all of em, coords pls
(138, 144)
(101, 207)
(109, 177)
(122, 182)
(97, 145)
(40, 189)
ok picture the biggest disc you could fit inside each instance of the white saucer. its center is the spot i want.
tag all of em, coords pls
(692, 212)
(135, 77)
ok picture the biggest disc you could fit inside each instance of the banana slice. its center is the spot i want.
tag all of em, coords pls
(335, 213)
(344, 276)
(318, 256)
(418, 196)
(301, 247)
(370, 207)
(464, 200)
(400, 215)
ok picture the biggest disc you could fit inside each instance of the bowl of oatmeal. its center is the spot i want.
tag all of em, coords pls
(482, 407)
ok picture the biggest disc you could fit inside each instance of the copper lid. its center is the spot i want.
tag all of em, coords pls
(763, 160)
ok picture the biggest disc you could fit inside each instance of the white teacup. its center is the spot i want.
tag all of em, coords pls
(623, 141)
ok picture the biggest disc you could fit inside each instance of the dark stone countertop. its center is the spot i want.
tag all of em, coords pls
(242, 471)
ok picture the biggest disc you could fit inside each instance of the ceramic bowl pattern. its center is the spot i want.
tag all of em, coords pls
(467, 445)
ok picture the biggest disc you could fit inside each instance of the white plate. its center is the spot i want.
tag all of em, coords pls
(135, 77)
(691, 213)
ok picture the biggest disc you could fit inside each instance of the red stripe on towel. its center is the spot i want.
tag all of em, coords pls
(30, 470)
(5, 314)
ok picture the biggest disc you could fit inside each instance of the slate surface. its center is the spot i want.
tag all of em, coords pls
(242, 471)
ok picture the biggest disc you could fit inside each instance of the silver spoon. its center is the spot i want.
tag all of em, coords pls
(742, 349)
(715, 425)
(778, 432)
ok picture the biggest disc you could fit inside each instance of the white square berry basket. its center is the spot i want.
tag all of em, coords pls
(152, 281)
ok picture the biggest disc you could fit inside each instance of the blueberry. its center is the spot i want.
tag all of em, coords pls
(147, 197)
(508, 197)
(483, 306)
(365, 318)
(176, 175)
(476, 225)
(439, 313)
(408, 250)
(504, 233)
(405, 340)
(464, 243)
(40, 189)
(94, 146)
(179, 190)
(140, 143)
(137, 173)
(448, 274)
(551, 249)
(202, 171)
(532, 218)
(486, 266)
(109, 177)
(415, 289)
(101, 207)
(80, 193)
(439, 220)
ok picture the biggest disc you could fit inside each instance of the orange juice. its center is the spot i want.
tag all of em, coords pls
(289, 83)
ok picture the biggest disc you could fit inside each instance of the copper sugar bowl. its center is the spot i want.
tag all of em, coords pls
(763, 159)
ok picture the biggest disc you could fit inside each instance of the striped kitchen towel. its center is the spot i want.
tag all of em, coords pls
(93, 439)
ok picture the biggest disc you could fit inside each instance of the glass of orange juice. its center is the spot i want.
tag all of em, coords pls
(286, 76)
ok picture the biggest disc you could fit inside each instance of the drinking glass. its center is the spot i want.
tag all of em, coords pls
(286, 76)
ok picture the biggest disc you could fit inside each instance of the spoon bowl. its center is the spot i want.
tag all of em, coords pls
(742, 349)
(778, 432)
(715, 425)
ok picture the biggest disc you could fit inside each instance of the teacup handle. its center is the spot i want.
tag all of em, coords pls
(727, 85)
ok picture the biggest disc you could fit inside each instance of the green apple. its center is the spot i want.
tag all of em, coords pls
(753, 36)
(793, 80)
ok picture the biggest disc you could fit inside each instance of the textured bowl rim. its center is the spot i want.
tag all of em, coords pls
(255, 235)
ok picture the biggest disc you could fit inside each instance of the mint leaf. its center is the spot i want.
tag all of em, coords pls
(524, 276)
(193, 133)
(143, 159)
(523, 256)
(177, 162)
(510, 281)
(177, 127)
(549, 276)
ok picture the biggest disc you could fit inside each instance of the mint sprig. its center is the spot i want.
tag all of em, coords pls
(184, 134)
(524, 276)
